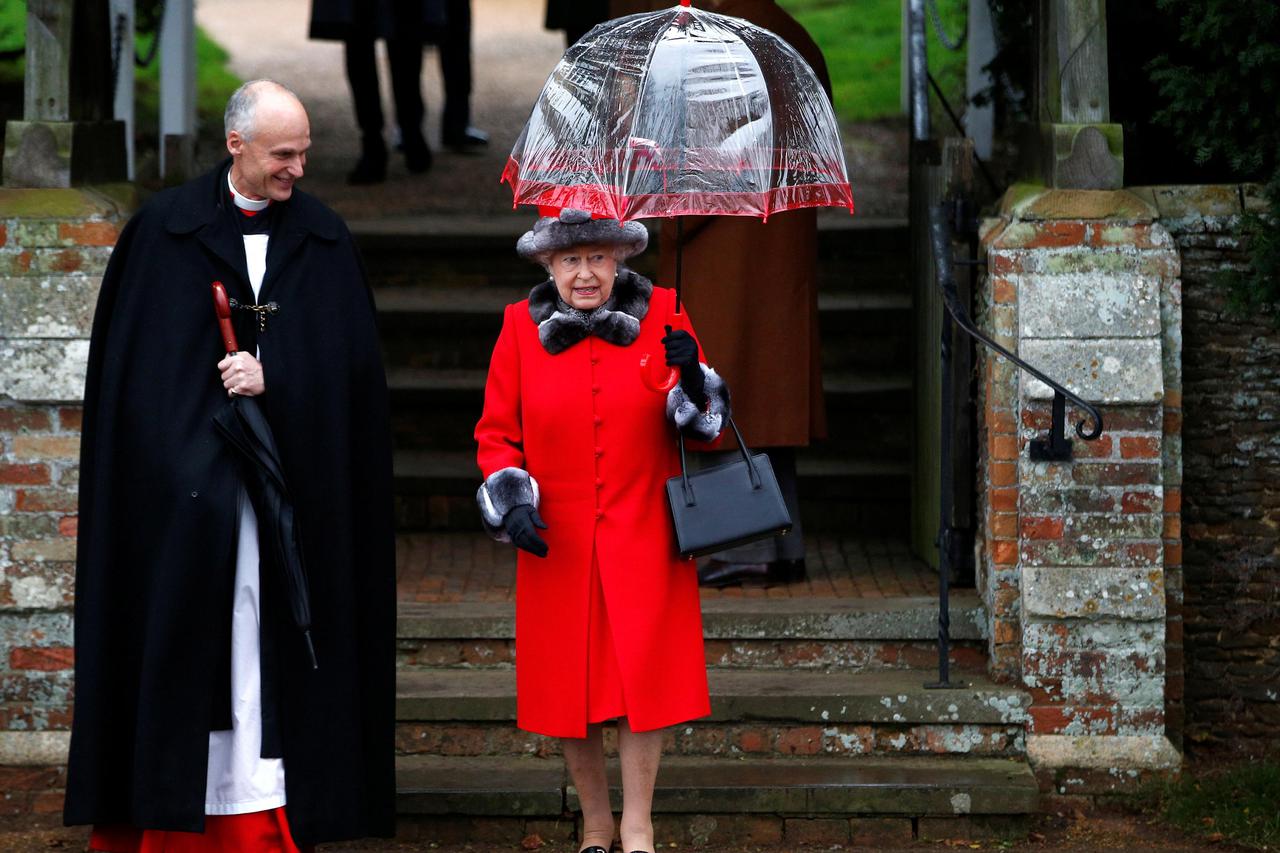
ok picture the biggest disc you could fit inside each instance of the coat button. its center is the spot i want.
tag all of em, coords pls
(595, 389)
(599, 420)
(599, 483)
(595, 360)
(599, 513)
(599, 451)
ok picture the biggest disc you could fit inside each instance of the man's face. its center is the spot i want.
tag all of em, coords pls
(267, 164)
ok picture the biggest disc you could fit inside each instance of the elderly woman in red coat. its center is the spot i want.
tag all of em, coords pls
(575, 450)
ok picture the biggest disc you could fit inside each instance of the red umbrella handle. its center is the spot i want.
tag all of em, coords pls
(655, 374)
(222, 307)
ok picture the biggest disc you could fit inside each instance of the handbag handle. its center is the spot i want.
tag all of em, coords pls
(689, 498)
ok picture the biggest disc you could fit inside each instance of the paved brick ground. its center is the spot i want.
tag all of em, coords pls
(434, 567)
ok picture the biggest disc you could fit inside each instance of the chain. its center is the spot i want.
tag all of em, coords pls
(261, 310)
(947, 42)
(155, 12)
(117, 45)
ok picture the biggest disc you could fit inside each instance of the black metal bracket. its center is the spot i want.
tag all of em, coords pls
(1056, 447)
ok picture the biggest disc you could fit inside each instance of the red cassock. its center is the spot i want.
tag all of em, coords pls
(609, 623)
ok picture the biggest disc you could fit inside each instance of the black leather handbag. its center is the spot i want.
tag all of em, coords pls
(726, 505)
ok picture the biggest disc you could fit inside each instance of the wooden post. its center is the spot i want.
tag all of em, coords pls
(1080, 147)
(66, 136)
(177, 92)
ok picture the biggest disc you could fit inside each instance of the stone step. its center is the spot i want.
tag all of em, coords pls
(792, 696)
(425, 381)
(435, 488)
(830, 634)
(913, 787)
(901, 618)
(455, 471)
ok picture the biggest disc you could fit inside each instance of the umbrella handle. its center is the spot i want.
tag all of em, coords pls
(656, 375)
(222, 308)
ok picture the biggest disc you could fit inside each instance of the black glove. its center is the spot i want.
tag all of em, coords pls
(682, 352)
(521, 523)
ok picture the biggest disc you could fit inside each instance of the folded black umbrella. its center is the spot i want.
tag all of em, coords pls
(244, 427)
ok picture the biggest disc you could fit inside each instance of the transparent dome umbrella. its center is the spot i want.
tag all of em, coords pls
(680, 112)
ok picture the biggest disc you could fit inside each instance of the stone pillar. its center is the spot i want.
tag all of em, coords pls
(66, 136)
(1076, 556)
(54, 246)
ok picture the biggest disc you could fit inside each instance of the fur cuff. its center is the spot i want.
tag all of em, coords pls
(500, 493)
(691, 421)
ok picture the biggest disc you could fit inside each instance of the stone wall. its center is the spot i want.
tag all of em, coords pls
(1077, 557)
(54, 245)
(1231, 503)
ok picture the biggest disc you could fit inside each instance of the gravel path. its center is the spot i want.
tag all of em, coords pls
(512, 57)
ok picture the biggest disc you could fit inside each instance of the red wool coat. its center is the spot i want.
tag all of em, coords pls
(600, 447)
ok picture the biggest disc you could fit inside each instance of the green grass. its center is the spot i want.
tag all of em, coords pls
(862, 43)
(1239, 804)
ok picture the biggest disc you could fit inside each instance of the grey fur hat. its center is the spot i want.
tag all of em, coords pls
(574, 227)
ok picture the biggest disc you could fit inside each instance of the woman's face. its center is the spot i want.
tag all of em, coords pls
(584, 275)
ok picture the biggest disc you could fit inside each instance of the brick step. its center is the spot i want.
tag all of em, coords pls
(777, 788)
(818, 699)
(844, 634)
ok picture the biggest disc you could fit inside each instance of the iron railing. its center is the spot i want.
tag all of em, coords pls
(943, 220)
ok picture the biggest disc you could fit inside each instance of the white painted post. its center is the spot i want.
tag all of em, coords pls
(979, 122)
(177, 88)
(122, 19)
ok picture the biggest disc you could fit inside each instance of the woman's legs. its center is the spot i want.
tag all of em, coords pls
(585, 759)
(639, 753)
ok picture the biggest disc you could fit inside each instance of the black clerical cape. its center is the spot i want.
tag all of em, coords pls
(158, 514)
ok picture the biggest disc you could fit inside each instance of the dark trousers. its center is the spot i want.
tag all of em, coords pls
(405, 58)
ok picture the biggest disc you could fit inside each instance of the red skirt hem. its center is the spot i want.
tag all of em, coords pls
(255, 832)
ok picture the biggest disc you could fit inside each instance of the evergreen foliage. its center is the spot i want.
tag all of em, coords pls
(1221, 100)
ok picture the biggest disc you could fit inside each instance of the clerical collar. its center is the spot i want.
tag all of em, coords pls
(248, 205)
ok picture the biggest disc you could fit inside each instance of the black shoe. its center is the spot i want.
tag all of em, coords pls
(596, 849)
(717, 573)
(788, 571)
(417, 154)
(466, 140)
(371, 168)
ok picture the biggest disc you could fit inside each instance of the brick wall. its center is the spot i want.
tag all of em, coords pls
(1231, 494)
(54, 245)
(1077, 557)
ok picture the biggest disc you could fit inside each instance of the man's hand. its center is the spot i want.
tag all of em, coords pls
(521, 524)
(242, 375)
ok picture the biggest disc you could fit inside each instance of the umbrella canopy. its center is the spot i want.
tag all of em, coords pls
(243, 425)
(680, 112)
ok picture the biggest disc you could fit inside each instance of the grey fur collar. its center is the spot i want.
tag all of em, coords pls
(616, 321)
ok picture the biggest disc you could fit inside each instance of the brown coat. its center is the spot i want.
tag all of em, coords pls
(753, 289)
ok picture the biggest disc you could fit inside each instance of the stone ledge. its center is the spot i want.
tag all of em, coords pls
(1119, 752)
(1087, 305)
(34, 749)
(102, 201)
(44, 370)
(1034, 202)
(55, 306)
(1101, 370)
(1065, 592)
